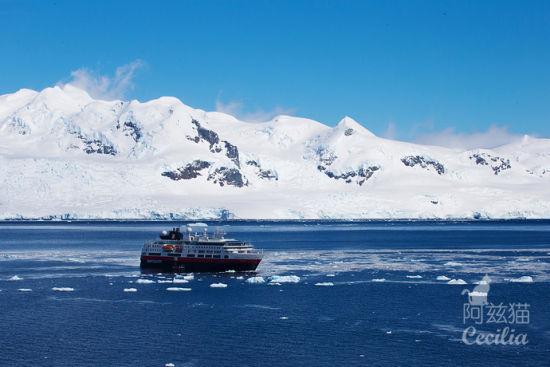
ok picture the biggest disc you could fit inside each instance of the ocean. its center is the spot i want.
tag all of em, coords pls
(333, 294)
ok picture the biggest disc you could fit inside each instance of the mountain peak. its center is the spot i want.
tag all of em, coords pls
(349, 125)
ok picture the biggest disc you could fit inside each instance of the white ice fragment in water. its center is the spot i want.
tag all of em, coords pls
(414, 276)
(284, 279)
(161, 281)
(239, 277)
(283, 318)
(169, 365)
(456, 282)
(144, 281)
(452, 263)
(255, 280)
(130, 290)
(186, 277)
(331, 275)
(25, 290)
(180, 281)
(324, 284)
(218, 285)
(178, 289)
(62, 289)
(379, 280)
(443, 277)
(522, 279)
(230, 271)
(15, 278)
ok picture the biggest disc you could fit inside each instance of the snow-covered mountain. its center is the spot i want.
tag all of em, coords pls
(65, 155)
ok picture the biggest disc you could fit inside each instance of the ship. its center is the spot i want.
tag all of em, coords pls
(195, 249)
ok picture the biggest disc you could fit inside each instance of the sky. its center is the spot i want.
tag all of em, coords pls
(452, 73)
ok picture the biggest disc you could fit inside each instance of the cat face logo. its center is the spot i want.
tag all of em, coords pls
(478, 296)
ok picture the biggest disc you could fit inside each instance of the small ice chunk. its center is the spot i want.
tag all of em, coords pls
(164, 281)
(62, 289)
(414, 276)
(169, 365)
(144, 281)
(188, 277)
(522, 279)
(15, 278)
(324, 284)
(379, 280)
(331, 275)
(218, 285)
(283, 318)
(456, 282)
(180, 281)
(452, 263)
(178, 289)
(477, 294)
(130, 290)
(285, 279)
(25, 290)
(255, 280)
(230, 271)
(239, 277)
(443, 277)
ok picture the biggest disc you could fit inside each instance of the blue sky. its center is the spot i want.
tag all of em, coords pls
(412, 70)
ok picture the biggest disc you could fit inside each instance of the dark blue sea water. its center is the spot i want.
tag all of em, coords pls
(385, 306)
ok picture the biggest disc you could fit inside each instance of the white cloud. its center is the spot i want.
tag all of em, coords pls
(237, 109)
(391, 131)
(107, 87)
(494, 136)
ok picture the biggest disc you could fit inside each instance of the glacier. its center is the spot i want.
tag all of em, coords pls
(65, 155)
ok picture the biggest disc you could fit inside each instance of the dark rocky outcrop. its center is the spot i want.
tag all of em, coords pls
(188, 172)
(325, 156)
(131, 128)
(228, 176)
(232, 153)
(215, 144)
(349, 132)
(361, 174)
(264, 174)
(497, 164)
(95, 146)
(424, 162)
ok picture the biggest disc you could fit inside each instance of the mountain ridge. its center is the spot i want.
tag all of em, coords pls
(66, 155)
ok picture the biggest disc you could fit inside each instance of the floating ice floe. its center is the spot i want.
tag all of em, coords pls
(331, 275)
(284, 279)
(179, 281)
(25, 290)
(255, 280)
(218, 285)
(62, 289)
(283, 318)
(239, 277)
(452, 263)
(443, 277)
(324, 284)
(130, 290)
(169, 365)
(230, 271)
(456, 282)
(178, 289)
(522, 279)
(162, 281)
(379, 280)
(185, 277)
(414, 276)
(15, 278)
(144, 281)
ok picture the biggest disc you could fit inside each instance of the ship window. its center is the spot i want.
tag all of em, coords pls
(201, 251)
(216, 256)
(190, 255)
(200, 255)
(154, 253)
(226, 257)
(208, 256)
